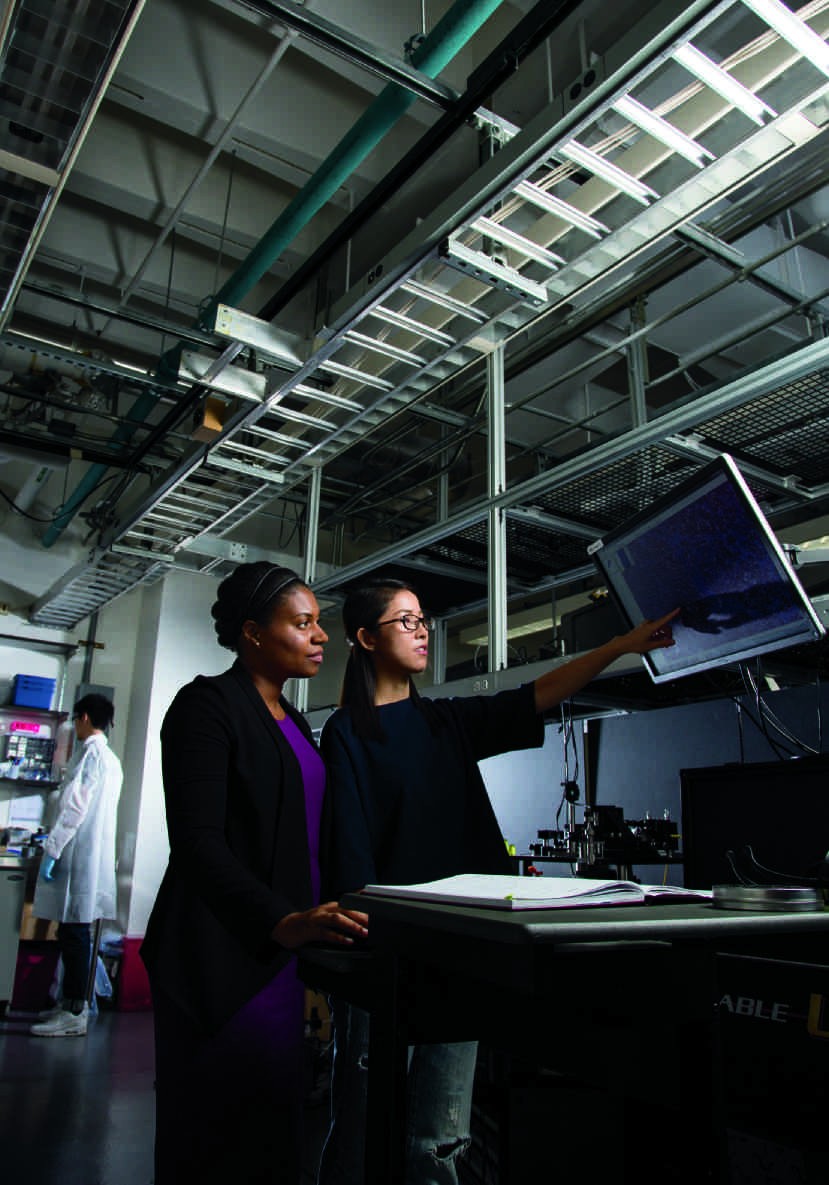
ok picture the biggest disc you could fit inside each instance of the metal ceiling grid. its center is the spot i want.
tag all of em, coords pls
(622, 488)
(92, 585)
(786, 431)
(409, 350)
(534, 553)
(509, 272)
(381, 353)
(54, 66)
(195, 504)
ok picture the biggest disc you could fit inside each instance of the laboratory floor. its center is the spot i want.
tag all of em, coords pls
(79, 1110)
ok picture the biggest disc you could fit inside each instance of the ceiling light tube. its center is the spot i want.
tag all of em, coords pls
(725, 84)
(792, 29)
(608, 172)
(654, 125)
(553, 205)
(508, 238)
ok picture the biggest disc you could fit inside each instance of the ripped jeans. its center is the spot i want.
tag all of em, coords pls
(439, 1100)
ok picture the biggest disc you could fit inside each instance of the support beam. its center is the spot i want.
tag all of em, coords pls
(496, 517)
(309, 567)
(637, 360)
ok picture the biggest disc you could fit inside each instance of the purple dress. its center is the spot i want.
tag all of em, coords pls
(229, 1105)
(268, 1031)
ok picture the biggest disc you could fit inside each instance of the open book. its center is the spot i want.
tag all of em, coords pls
(525, 892)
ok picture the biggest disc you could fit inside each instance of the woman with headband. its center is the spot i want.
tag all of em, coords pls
(409, 805)
(244, 794)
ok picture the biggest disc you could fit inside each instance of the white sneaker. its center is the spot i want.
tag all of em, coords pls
(50, 1013)
(63, 1024)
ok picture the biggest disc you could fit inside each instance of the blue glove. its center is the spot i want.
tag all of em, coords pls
(47, 867)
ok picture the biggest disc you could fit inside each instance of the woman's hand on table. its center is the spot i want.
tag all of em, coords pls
(325, 923)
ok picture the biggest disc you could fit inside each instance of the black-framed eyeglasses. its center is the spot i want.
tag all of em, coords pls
(409, 622)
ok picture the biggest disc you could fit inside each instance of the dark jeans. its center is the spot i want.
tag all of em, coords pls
(439, 1101)
(75, 942)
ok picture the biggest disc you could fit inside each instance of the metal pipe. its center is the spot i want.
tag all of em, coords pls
(501, 64)
(442, 44)
(346, 45)
(449, 36)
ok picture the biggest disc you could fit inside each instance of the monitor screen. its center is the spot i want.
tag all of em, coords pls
(707, 550)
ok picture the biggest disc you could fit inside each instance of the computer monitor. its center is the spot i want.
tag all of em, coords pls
(707, 549)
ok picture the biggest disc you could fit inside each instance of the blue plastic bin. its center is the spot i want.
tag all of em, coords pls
(32, 691)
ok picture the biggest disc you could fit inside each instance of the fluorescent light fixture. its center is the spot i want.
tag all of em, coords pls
(553, 205)
(524, 246)
(608, 172)
(654, 125)
(792, 29)
(725, 84)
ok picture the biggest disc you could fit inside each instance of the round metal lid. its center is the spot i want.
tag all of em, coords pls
(767, 898)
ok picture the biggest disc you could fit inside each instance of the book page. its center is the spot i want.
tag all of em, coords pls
(515, 892)
(523, 892)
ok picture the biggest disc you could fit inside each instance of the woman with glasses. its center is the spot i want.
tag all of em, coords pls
(244, 789)
(409, 805)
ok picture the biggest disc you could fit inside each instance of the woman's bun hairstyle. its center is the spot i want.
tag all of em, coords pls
(249, 593)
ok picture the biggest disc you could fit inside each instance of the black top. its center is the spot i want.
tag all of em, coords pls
(413, 806)
(239, 858)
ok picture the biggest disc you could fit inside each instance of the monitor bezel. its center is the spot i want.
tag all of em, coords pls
(809, 627)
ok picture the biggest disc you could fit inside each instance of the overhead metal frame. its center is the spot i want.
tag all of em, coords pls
(409, 323)
(56, 64)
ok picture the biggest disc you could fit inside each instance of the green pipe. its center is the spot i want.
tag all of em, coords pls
(94, 474)
(441, 45)
(447, 38)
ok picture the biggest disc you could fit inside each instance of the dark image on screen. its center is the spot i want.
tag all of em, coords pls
(709, 553)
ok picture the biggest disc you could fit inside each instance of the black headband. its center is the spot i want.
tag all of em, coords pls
(293, 578)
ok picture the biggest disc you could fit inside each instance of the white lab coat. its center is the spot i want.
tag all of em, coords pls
(82, 838)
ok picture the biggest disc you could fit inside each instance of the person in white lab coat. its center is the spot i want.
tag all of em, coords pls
(76, 884)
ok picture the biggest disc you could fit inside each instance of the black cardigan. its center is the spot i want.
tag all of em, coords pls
(239, 857)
